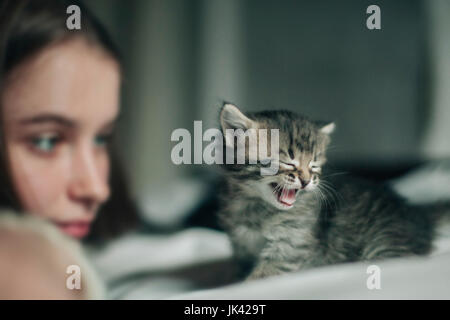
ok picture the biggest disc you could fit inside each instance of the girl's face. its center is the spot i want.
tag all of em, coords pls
(59, 110)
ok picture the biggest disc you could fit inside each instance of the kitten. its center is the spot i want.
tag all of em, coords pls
(299, 218)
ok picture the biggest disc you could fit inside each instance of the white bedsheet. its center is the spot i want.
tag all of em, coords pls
(406, 278)
(140, 254)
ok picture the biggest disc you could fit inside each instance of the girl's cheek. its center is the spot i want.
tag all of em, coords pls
(39, 184)
(105, 167)
(102, 163)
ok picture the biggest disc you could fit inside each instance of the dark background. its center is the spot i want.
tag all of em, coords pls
(387, 90)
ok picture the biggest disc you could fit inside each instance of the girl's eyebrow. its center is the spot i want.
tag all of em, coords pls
(61, 120)
(46, 118)
(110, 125)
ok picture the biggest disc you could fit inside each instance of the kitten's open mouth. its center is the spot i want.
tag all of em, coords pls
(285, 196)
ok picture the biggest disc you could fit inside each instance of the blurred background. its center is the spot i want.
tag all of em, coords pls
(387, 90)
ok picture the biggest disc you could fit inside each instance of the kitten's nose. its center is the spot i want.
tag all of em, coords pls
(304, 182)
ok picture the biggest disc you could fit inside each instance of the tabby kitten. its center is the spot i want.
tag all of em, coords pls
(299, 218)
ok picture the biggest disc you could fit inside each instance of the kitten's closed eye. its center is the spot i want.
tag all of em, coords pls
(287, 166)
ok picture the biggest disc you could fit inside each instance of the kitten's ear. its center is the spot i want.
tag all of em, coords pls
(328, 128)
(232, 118)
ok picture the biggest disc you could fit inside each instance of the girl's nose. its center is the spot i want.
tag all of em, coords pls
(89, 182)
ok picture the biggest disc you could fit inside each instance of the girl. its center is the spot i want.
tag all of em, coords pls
(59, 102)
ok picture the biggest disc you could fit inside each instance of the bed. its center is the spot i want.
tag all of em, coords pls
(196, 263)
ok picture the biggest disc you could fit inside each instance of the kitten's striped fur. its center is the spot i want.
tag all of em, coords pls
(334, 218)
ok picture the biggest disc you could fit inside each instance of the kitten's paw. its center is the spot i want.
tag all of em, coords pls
(261, 272)
(255, 276)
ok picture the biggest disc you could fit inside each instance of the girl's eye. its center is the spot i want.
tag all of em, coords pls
(102, 140)
(46, 143)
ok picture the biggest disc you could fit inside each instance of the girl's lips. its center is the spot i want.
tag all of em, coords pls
(75, 229)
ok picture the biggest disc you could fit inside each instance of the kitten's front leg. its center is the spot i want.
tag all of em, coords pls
(273, 263)
(264, 270)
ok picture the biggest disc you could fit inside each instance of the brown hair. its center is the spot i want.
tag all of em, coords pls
(26, 27)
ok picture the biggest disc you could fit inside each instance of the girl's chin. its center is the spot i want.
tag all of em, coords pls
(77, 230)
